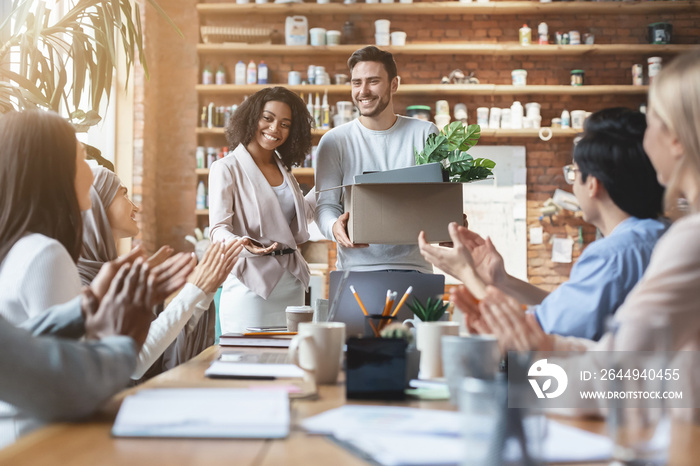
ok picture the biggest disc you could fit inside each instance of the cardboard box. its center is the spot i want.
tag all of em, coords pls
(395, 213)
(428, 173)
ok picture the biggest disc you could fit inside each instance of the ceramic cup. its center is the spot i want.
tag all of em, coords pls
(398, 38)
(577, 118)
(382, 39)
(428, 342)
(318, 349)
(470, 356)
(298, 314)
(381, 26)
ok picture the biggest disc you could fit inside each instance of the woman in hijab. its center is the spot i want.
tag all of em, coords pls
(112, 217)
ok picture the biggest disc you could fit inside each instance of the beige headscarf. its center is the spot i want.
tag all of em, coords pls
(98, 241)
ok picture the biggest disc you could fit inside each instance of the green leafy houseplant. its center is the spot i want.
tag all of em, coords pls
(430, 311)
(82, 43)
(449, 147)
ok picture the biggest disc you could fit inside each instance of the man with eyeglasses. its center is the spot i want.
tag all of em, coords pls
(618, 192)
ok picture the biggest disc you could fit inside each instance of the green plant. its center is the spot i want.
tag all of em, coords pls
(83, 43)
(449, 147)
(431, 311)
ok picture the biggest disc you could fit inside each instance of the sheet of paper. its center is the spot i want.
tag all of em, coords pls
(234, 369)
(394, 436)
(562, 250)
(204, 412)
(536, 234)
(353, 418)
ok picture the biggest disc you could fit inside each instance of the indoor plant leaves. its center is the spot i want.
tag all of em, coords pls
(449, 148)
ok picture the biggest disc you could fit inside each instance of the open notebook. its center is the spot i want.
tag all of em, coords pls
(205, 413)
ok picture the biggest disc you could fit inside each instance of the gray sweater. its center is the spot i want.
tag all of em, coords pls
(51, 378)
(350, 150)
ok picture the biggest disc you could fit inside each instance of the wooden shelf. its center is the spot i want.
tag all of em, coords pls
(456, 48)
(302, 171)
(201, 212)
(438, 89)
(452, 8)
(527, 133)
(485, 133)
(221, 131)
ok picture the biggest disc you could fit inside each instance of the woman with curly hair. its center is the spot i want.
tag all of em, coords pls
(253, 195)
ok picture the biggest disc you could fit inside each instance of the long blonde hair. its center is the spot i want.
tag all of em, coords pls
(675, 97)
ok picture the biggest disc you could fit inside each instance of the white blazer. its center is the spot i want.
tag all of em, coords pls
(242, 204)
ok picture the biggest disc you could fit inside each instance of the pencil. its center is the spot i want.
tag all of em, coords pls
(387, 303)
(403, 299)
(359, 301)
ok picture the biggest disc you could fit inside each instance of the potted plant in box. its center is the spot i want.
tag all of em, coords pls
(449, 148)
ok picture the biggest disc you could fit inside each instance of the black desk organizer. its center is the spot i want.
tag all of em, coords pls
(376, 368)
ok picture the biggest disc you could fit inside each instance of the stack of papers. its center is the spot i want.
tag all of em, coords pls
(395, 436)
(204, 412)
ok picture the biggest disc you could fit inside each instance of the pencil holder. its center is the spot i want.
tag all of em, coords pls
(375, 323)
(375, 368)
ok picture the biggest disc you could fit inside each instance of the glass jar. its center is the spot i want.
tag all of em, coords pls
(577, 77)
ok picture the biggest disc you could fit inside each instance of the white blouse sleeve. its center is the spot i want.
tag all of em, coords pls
(187, 307)
(50, 278)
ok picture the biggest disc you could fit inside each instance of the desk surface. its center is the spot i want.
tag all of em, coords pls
(89, 443)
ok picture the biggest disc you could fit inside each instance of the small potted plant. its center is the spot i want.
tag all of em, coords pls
(429, 329)
(431, 311)
(449, 148)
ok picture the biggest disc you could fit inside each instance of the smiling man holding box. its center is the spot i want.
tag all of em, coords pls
(379, 140)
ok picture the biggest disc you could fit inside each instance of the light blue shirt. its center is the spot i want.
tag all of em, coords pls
(600, 280)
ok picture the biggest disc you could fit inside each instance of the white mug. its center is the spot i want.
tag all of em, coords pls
(318, 349)
(428, 342)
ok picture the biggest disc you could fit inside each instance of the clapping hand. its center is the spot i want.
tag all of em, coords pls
(216, 265)
(515, 330)
(124, 309)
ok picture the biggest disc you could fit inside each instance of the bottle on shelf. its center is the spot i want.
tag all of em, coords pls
(240, 73)
(310, 105)
(211, 156)
(516, 115)
(207, 76)
(200, 156)
(325, 112)
(543, 34)
(201, 196)
(525, 35)
(252, 74)
(221, 75)
(317, 112)
(565, 119)
(203, 120)
(262, 73)
(210, 115)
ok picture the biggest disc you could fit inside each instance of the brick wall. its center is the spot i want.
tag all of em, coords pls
(167, 109)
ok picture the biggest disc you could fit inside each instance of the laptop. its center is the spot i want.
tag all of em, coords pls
(371, 287)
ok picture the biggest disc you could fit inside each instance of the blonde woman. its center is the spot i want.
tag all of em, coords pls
(670, 287)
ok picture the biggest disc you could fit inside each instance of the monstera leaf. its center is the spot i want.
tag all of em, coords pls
(449, 148)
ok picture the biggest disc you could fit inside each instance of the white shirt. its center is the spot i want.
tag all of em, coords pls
(286, 198)
(36, 274)
(350, 150)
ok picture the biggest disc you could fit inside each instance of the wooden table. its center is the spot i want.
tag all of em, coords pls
(89, 443)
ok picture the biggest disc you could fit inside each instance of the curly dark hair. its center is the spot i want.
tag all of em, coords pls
(244, 123)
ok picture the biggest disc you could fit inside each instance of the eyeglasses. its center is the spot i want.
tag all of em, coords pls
(570, 173)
